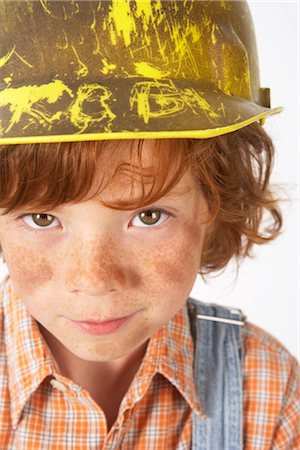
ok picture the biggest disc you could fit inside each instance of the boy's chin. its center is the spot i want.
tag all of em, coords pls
(106, 349)
(109, 356)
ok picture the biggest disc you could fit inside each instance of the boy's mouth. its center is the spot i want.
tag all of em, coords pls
(101, 328)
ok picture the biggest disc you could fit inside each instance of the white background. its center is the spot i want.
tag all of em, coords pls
(267, 286)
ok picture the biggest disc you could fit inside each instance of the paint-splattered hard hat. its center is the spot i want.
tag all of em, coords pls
(87, 70)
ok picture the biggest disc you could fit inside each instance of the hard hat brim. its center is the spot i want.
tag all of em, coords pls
(124, 109)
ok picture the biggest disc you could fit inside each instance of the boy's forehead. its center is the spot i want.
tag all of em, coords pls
(130, 170)
(130, 187)
(130, 190)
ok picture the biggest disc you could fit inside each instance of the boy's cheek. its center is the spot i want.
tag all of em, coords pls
(180, 258)
(28, 270)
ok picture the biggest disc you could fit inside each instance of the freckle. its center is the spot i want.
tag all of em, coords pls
(170, 272)
(28, 271)
(101, 261)
(181, 256)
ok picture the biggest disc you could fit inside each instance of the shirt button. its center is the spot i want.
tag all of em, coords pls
(60, 386)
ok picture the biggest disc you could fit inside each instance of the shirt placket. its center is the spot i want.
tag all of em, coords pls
(117, 433)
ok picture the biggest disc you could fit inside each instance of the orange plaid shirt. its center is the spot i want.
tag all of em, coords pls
(41, 409)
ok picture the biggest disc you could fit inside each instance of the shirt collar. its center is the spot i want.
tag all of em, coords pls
(29, 359)
(170, 352)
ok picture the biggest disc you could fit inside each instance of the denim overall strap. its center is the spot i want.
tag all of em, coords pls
(218, 376)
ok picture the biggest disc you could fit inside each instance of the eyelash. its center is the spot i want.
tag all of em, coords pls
(32, 229)
(136, 215)
(159, 210)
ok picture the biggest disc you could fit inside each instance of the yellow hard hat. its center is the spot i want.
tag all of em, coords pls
(112, 69)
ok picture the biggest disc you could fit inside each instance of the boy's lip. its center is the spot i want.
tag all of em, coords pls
(102, 327)
(96, 321)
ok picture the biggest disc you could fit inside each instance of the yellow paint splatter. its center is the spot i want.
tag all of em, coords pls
(93, 28)
(44, 4)
(195, 101)
(22, 100)
(122, 18)
(154, 99)
(7, 80)
(83, 70)
(222, 109)
(23, 60)
(237, 118)
(193, 31)
(149, 71)
(226, 5)
(188, 5)
(144, 8)
(121, 21)
(213, 36)
(107, 67)
(6, 57)
(86, 95)
(64, 45)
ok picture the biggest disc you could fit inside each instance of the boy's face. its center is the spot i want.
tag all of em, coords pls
(87, 262)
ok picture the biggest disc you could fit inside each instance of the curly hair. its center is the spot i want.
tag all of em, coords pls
(233, 171)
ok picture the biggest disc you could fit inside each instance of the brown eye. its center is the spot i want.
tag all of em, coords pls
(150, 217)
(42, 220)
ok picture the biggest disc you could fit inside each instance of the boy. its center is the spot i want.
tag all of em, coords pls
(104, 226)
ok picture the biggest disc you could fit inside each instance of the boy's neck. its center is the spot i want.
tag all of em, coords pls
(107, 382)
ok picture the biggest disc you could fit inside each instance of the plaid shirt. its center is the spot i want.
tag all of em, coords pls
(41, 409)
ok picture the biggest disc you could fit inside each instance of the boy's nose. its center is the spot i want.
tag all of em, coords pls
(97, 271)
